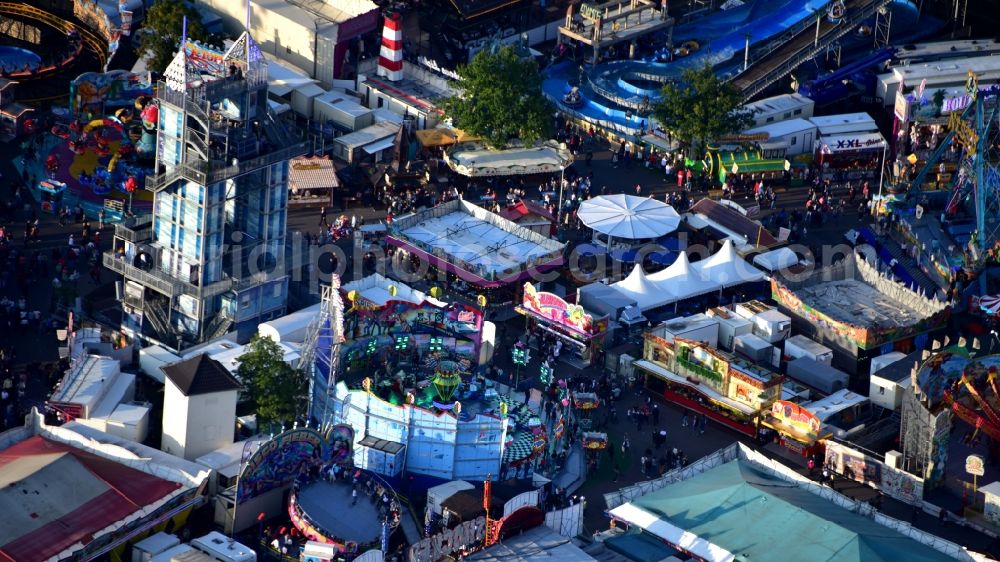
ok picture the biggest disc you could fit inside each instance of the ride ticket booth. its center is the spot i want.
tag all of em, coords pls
(582, 335)
(52, 192)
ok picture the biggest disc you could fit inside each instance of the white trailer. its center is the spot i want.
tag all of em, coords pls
(801, 346)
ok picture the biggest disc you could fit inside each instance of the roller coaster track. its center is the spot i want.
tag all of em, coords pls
(96, 43)
(779, 62)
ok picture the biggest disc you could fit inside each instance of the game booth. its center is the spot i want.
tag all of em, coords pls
(578, 329)
(727, 390)
(388, 324)
(482, 253)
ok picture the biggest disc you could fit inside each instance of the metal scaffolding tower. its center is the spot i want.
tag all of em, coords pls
(883, 27)
(320, 356)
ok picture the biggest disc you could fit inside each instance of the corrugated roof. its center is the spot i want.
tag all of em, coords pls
(733, 221)
(540, 543)
(200, 375)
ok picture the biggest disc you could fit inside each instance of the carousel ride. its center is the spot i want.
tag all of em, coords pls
(975, 399)
(106, 158)
(965, 383)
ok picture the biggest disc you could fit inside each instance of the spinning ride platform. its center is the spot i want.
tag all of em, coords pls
(324, 509)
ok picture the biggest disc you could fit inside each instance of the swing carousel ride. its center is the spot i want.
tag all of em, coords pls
(967, 385)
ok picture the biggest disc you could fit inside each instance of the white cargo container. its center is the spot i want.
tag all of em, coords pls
(730, 328)
(754, 348)
(801, 346)
(820, 376)
(697, 327)
(750, 309)
(772, 326)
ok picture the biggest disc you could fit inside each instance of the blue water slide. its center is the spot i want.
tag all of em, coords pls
(614, 88)
(614, 93)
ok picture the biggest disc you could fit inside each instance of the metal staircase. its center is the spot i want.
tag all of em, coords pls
(218, 327)
(157, 315)
(809, 42)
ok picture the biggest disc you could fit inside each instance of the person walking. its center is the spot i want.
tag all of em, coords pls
(322, 216)
(354, 496)
(100, 219)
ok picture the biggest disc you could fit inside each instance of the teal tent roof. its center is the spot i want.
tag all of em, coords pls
(747, 512)
(641, 547)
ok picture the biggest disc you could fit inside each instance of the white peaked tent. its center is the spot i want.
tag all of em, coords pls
(727, 268)
(684, 279)
(645, 293)
(628, 217)
(776, 259)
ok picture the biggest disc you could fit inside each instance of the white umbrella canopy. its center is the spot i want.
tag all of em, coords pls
(628, 217)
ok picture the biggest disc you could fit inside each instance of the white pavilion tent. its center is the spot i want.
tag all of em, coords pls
(685, 279)
(727, 268)
(776, 260)
(628, 217)
(645, 293)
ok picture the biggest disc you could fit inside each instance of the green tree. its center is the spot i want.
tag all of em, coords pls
(278, 389)
(700, 107)
(161, 35)
(499, 98)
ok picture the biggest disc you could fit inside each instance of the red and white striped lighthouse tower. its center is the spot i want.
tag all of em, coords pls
(390, 58)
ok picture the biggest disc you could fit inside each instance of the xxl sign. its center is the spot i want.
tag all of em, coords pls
(857, 144)
(448, 541)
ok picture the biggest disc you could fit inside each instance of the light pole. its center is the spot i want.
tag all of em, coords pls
(562, 182)
(746, 53)
(881, 172)
(519, 356)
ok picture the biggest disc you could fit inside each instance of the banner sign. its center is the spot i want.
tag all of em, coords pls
(552, 307)
(278, 461)
(431, 549)
(795, 417)
(860, 467)
(848, 143)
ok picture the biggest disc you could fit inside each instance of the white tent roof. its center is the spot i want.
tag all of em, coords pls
(727, 268)
(776, 259)
(376, 289)
(628, 216)
(683, 279)
(473, 160)
(644, 292)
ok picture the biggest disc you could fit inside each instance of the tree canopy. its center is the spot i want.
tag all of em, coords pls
(164, 25)
(500, 98)
(278, 389)
(700, 108)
